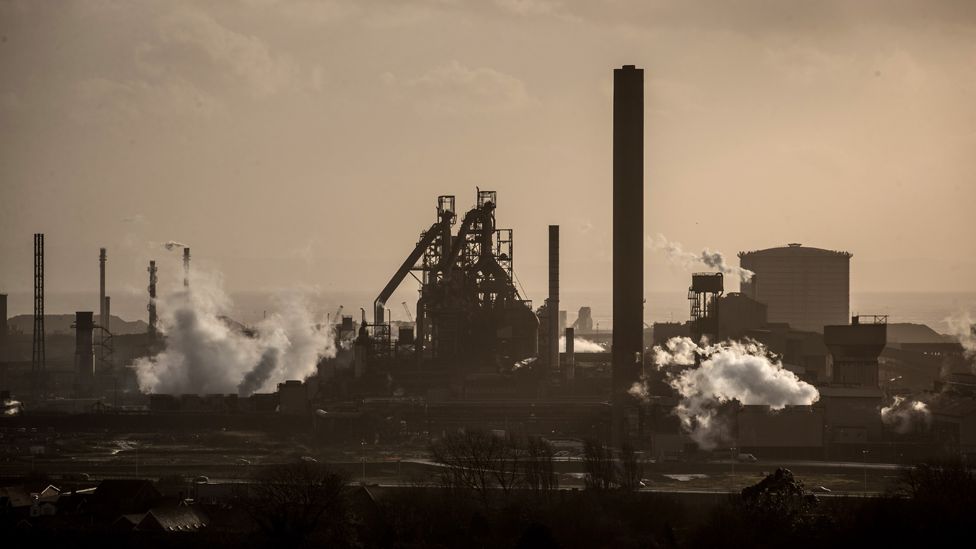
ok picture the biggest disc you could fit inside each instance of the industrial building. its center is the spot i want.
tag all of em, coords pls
(807, 288)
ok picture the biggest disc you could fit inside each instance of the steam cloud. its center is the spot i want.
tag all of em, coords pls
(170, 244)
(963, 327)
(206, 354)
(728, 371)
(581, 345)
(677, 255)
(905, 415)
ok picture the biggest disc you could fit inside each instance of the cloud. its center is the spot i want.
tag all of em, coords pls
(186, 38)
(455, 89)
(102, 99)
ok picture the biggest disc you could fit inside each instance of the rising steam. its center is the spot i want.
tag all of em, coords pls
(205, 354)
(687, 260)
(728, 371)
(963, 327)
(170, 244)
(581, 345)
(906, 415)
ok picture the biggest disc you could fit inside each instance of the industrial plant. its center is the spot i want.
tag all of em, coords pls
(779, 370)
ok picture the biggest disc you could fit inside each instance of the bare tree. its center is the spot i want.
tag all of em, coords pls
(484, 463)
(467, 458)
(601, 473)
(538, 472)
(630, 470)
(292, 501)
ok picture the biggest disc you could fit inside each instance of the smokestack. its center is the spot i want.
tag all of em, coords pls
(186, 267)
(84, 350)
(552, 304)
(102, 314)
(628, 239)
(152, 299)
(38, 358)
(570, 354)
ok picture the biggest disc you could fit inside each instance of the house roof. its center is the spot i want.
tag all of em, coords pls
(174, 518)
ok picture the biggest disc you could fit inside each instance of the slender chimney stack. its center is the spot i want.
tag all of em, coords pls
(38, 358)
(151, 307)
(628, 240)
(552, 304)
(102, 314)
(186, 267)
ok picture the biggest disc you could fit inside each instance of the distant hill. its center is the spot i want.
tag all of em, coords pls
(904, 332)
(62, 323)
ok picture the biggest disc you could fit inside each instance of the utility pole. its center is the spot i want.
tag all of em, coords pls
(864, 462)
(363, 444)
(735, 454)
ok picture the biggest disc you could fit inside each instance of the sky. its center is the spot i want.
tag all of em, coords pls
(303, 144)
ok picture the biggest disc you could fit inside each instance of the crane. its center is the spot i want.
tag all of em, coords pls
(336, 318)
(407, 310)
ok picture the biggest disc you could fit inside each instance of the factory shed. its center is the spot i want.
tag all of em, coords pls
(793, 432)
(954, 424)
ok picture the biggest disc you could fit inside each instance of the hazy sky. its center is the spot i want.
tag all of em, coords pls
(296, 143)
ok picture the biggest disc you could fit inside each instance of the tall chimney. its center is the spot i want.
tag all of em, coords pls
(102, 314)
(570, 355)
(152, 299)
(84, 351)
(186, 267)
(38, 353)
(628, 240)
(552, 304)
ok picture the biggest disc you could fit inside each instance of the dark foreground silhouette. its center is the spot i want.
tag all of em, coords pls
(308, 505)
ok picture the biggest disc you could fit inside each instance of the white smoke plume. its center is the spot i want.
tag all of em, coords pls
(206, 354)
(963, 327)
(581, 345)
(906, 415)
(687, 260)
(170, 244)
(729, 371)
